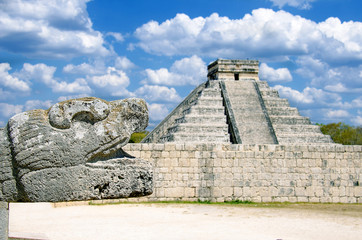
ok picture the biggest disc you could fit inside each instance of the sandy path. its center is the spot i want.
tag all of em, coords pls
(181, 221)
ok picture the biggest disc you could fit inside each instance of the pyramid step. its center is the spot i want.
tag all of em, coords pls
(263, 85)
(283, 111)
(246, 106)
(195, 137)
(289, 120)
(207, 110)
(247, 130)
(211, 92)
(191, 128)
(238, 97)
(208, 101)
(303, 138)
(211, 89)
(285, 128)
(276, 102)
(255, 133)
(270, 93)
(205, 119)
(250, 117)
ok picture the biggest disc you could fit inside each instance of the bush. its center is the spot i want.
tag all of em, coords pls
(137, 137)
(343, 133)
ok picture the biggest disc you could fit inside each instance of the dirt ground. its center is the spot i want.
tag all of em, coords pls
(186, 221)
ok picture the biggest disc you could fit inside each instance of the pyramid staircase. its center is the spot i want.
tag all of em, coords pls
(251, 119)
(199, 118)
(203, 120)
(289, 126)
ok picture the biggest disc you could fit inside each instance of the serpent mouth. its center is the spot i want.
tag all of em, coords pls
(109, 152)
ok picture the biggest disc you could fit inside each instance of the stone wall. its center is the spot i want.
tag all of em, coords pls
(260, 173)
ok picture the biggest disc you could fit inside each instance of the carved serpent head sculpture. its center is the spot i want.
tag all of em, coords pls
(72, 151)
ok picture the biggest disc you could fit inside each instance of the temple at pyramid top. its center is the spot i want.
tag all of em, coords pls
(224, 69)
(234, 106)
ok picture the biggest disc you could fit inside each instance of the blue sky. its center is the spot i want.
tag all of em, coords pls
(309, 50)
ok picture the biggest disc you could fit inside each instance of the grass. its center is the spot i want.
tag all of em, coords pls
(357, 207)
(176, 202)
(347, 209)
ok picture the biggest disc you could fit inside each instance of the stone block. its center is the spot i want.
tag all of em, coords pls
(217, 192)
(220, 154)
(266, 199)
(238, 192)
(146, 146)
(302, 199)
(156, 154)
(343, 200)
(184, 154)
(190, 192)
(190, 147)
(358, 191)
(255, 199)
(159, 147)
(135, 147)
(184, 162)
(165, 154)
(180, 147)
(227, 163)
(159, 192)
(310, 191)
(175, 192)
(170, 147)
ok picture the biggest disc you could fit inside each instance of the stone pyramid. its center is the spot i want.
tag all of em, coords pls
(233, 105)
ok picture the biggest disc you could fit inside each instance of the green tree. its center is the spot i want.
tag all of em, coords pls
(137, 137)
(343, 133)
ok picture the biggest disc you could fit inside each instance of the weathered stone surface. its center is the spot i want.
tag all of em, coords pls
(73, 152)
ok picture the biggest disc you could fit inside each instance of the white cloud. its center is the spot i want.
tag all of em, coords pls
(274, 75)
(311, 96)
(357, 120)
(337, 114)
(45, 74)
(114, 81)
(303, 4)
(157, 111)
(187, 71)
(122, 92)
(11, 82)
(8, 110)
(357, 103)
(80, 85)
(37, 104)
(340, 87)
(158, 93)
(113, 78)
(335, 79)
(5, 95)
(64, 98)
(117, 36)
(262, 34)
(123, 63)
(39, 72)
(348, 34)
(52, 28)
(85, 68)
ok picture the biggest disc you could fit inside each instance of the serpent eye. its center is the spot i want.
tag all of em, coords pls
(89, 110)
